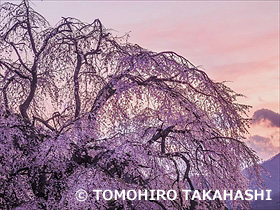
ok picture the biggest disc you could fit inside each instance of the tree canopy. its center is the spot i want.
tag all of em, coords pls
(82, 108)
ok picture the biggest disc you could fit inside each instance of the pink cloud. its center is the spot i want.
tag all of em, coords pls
(263, 146)
(272, 117)
(234, 71)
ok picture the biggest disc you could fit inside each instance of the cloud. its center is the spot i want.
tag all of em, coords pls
(263, 146)
(259, 139)
(266, 114)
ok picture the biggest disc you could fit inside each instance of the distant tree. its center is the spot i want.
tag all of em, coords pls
(81, 108)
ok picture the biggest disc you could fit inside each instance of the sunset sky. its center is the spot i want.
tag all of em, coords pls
(230, 40)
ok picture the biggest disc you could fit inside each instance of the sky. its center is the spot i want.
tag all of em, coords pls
(234, 41)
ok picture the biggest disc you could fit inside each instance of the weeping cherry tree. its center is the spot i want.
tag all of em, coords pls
(82, 108)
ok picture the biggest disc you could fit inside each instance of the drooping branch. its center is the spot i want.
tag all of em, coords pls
(19, 57)
(29, 28)
(12, 68)
(80, 57)
(76, 85)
